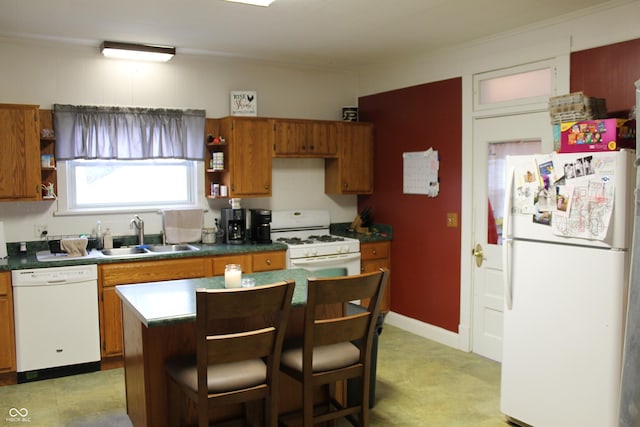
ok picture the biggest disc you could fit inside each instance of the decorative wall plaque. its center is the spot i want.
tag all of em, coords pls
(244, 103)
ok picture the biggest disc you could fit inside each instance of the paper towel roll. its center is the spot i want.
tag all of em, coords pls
(3, 242)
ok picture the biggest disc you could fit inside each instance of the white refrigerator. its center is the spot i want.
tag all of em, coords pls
(567, 233)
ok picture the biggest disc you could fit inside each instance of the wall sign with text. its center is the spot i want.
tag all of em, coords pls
(244, 103)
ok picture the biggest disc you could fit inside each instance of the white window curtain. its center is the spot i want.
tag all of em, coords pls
(128, 133)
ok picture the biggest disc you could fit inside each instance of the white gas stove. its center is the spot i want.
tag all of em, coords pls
(310, 244)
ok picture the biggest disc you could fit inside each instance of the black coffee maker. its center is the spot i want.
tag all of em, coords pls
(234, 224)
(260, 225)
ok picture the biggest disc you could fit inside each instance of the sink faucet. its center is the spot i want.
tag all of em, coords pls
(139, 223)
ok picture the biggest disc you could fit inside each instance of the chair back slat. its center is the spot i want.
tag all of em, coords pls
(345, 288)
(341, 329)
(241, 346)
(243, 302)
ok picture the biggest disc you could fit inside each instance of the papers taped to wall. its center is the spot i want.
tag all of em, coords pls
(420, 172)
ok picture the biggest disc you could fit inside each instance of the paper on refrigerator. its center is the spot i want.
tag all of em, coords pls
(575, 197)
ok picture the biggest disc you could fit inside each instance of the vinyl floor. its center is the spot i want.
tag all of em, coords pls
(419, 383)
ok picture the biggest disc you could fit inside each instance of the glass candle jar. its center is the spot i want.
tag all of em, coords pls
(232, 276)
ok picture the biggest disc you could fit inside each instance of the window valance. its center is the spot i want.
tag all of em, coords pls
(128, 133)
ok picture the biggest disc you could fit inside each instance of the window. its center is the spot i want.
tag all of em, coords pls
(522, 86)
(130, 185)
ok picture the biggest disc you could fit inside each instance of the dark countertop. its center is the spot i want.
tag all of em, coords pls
(15, 261)
(20, 262)
(377, 232)
(174, 301)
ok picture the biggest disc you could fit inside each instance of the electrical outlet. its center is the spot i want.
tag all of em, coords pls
(40, 230)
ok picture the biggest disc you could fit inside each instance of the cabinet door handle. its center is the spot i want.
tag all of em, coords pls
(266, 187)
(268, 262)
(375, 252)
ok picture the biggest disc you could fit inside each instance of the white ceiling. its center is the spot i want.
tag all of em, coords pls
(336, 33)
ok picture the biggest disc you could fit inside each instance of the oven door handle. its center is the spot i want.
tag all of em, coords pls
(326, 258)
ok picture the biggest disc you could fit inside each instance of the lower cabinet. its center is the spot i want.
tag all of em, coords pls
(250, 263)
(375, 256)
(7, 342)
(111, 275)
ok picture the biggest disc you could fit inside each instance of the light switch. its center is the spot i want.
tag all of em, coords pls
(452, 219)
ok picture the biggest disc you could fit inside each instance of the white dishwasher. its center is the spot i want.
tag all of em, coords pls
(56, 321)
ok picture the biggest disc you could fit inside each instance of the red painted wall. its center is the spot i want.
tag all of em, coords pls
(425, 264)
(608, 72)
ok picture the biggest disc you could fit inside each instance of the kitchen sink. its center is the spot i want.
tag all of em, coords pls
(124, 251)
(172, 248)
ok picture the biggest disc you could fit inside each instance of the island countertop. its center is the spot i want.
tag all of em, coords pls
(174, 301)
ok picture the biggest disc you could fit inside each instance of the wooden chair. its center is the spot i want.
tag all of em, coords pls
(239, 336)
(328, 354)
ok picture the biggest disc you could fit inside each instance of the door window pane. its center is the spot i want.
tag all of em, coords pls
(529, 84)
(496, 182)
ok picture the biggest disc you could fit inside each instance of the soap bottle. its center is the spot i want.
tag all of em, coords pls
(107, 240)
(99, 235)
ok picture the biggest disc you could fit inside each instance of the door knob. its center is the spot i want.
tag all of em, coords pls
(477, 252)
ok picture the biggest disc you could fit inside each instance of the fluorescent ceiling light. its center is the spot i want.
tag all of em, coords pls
(264, 3)
(138, 52)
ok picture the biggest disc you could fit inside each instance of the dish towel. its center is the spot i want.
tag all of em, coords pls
(183, 225)
(74, 247)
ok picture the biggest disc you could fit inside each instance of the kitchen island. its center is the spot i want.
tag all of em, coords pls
(159, 324)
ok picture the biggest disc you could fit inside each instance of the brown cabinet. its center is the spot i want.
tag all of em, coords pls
(352, 171)
(216, 161)
(250, 263)
(268, 261)
(305, 138)
(377, 255)
(111, 275)
(7, 341)
(219, 262)
(250, 142)
(20, 148)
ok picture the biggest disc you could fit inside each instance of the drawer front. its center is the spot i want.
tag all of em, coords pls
(374, 250)
(269, 261)
(219, 263)
(5, 283)
(152, 271)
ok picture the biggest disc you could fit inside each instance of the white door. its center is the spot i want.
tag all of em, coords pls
(494, 139)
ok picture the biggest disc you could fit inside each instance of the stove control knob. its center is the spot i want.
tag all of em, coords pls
(344, 249)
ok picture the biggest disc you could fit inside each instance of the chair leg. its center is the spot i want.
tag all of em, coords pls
(307, 406)
(175, 404)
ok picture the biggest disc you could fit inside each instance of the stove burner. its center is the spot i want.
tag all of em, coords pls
(327, 238)
(294, 240)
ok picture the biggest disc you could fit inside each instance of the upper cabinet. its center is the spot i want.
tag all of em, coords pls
(250, 142)
(352, 171)
(304, 138)
(242, 160)
(20, 147)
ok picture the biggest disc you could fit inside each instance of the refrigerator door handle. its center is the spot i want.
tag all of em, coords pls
(507, 241)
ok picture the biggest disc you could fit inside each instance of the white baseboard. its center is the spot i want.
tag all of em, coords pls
(426, 330)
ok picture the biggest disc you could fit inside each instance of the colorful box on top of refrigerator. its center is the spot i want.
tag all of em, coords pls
(597, 135)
